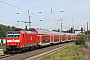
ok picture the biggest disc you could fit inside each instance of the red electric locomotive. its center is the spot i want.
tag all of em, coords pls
(20, 40)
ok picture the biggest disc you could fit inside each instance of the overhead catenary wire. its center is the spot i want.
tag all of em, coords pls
(26, 10)
(22, 9)
(51, 11)
(13, 6)
(36, 7)
(7, 17)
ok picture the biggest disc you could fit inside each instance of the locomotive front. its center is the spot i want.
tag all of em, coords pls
(13, 40)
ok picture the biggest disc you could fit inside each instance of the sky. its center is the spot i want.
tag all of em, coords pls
(75, 12)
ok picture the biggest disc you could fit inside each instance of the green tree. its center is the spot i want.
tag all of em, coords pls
(4, 29)
(80, 40)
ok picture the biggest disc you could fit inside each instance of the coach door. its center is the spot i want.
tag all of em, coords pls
(51, 39)
(39, 39)
(60, 38)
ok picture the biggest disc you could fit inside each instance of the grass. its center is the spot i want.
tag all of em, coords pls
(70, 53)
(89, 37)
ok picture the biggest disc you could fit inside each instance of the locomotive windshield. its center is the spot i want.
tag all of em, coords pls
(13, 34)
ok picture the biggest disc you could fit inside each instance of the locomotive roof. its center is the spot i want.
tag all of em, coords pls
(39, 31)
(32, 29)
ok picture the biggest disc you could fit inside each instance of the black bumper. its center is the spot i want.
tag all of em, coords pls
(12, 48)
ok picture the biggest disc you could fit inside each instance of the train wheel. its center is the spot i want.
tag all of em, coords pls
(32, 47)
(72, 40)
(37, 47)
(51, 44)
(22, 50)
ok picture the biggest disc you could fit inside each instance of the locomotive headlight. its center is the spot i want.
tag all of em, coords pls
(18, 44)
(7, 44)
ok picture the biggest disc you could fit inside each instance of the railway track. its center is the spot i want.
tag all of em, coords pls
(35, 54)
(4, 56)
(37, 57)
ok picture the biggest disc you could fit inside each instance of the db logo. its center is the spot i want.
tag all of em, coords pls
(13, 40)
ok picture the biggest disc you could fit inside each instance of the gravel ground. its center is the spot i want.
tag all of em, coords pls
(1, 52)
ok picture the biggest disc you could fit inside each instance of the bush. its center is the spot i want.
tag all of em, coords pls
(80, 40)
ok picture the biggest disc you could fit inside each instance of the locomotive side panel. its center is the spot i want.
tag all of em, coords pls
(30, 39)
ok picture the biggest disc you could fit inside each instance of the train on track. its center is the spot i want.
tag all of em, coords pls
(20, 40)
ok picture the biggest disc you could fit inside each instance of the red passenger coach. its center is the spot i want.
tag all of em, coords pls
(73, 36)
(55, 37)
(43, 37)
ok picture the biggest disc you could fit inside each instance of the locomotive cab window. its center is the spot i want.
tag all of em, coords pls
(16, 36)
(10, 36)
(13, 34)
